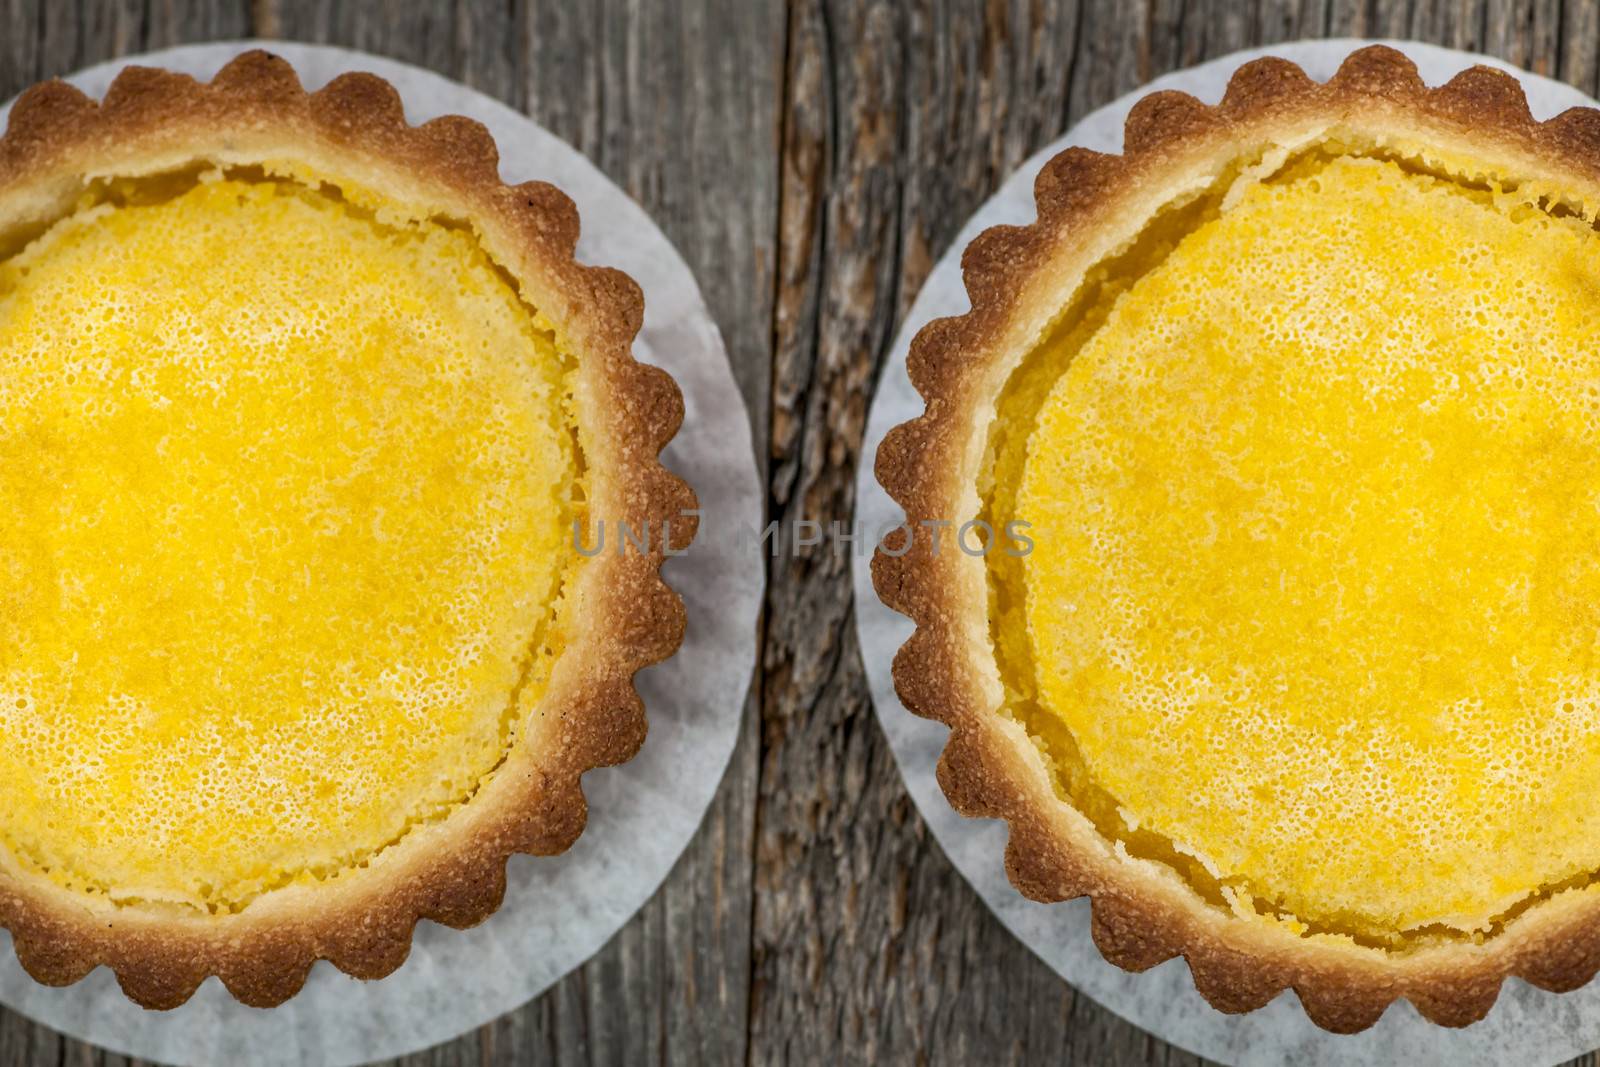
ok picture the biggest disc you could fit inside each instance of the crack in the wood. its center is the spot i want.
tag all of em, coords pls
(38, 44)
(599, 122)
(787, 476)
(830, 163)
(1559, 65)
(1068, 89)
(891, 321)
(785, 86)
(460, 37)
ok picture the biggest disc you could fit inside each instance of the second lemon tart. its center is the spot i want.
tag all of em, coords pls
(1297, 398)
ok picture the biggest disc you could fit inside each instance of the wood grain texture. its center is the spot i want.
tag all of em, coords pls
(811, 160)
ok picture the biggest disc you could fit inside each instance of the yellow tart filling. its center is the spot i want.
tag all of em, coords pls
(287, 479)
(1313, 608)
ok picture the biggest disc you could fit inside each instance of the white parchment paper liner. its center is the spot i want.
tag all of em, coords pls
(1527, 1026)
(559, 911)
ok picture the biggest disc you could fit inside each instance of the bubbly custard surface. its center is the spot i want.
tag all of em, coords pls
(1315, 590)
(286, 487)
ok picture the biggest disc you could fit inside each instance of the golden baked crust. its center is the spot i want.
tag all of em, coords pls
(1090, 207)
(453, 870)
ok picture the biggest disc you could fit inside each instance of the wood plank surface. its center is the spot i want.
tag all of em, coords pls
(811, 160)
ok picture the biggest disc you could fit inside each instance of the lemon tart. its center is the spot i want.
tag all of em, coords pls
(1295, 673)
(306, 419)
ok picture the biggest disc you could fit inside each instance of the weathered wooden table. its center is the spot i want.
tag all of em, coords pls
(811, 161)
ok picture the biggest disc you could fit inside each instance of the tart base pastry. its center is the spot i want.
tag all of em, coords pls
(303, 411)
(1296, 397)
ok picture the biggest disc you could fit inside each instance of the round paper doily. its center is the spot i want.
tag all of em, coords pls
(1527, 1025)
(558, 911)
